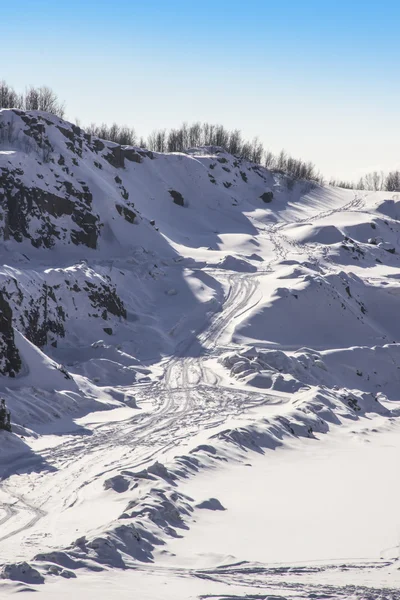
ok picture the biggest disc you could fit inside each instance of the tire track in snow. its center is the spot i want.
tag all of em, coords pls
(183, 401)
(16, 511)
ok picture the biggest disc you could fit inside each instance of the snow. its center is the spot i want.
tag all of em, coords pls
(320, 500)
(211, 401)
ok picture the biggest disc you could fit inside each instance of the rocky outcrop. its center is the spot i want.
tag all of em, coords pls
(43, 310)
(127, 213)
(48, 193)
(115, 157)
(36, 214)
(177, 197)
(10, 360)
(267, 197)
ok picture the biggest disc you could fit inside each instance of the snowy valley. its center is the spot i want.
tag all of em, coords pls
(202, 362)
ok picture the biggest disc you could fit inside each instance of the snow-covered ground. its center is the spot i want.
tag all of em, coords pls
(204, 385)
(330, 499)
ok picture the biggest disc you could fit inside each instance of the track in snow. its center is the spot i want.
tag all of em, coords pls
(182, 404)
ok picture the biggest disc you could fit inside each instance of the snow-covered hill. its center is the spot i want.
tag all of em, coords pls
(162, 316)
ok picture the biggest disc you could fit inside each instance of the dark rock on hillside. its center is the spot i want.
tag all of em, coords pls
(41, 313)
(115, 157)
(10, 360)
(126, 212)
(105, 297)
(132, 155)
(147, 153)
(177, 197)
(21, 205)
(267, 197)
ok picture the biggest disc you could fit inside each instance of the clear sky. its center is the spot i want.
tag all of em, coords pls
(318, 78)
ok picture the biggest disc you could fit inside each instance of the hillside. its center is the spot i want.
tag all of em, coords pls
(167, 320)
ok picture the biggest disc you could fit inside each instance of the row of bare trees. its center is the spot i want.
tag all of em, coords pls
(162, 140)
(195, 135)
(34, 98)
(207, 134)
(375, 181)
(199, 135)
(124, 135)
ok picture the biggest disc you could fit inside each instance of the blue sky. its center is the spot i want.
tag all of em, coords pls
(319, 79)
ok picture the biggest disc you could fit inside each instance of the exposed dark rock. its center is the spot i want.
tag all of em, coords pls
(177, 197)
(126, 212)
(42, 314)
(115, 157)
(132, 155)
(267, 197)
(104, 296)
(89, 229)
(42, 319)
(67, 133)
(5, 416)
(98, 145)
(124, 193)
(10, 360)
(20, 204)
(147, 153)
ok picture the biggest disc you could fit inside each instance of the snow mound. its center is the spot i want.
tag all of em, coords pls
(390, 208)
(231, 263)
(21, 572)
(372, 370)
(297, 316)
(119, 484)
(211, 504)
(315, 233)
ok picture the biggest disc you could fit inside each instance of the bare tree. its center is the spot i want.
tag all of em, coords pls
(152, 141)
(235, 142)
(281, 160)
(270, 160)
(257, 151)
(9, 97)
(44, 99)
(127, 136)
(392, 182)
(195, 135)
(157, 140)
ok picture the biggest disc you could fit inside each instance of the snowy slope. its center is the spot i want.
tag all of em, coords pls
(169, 318)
